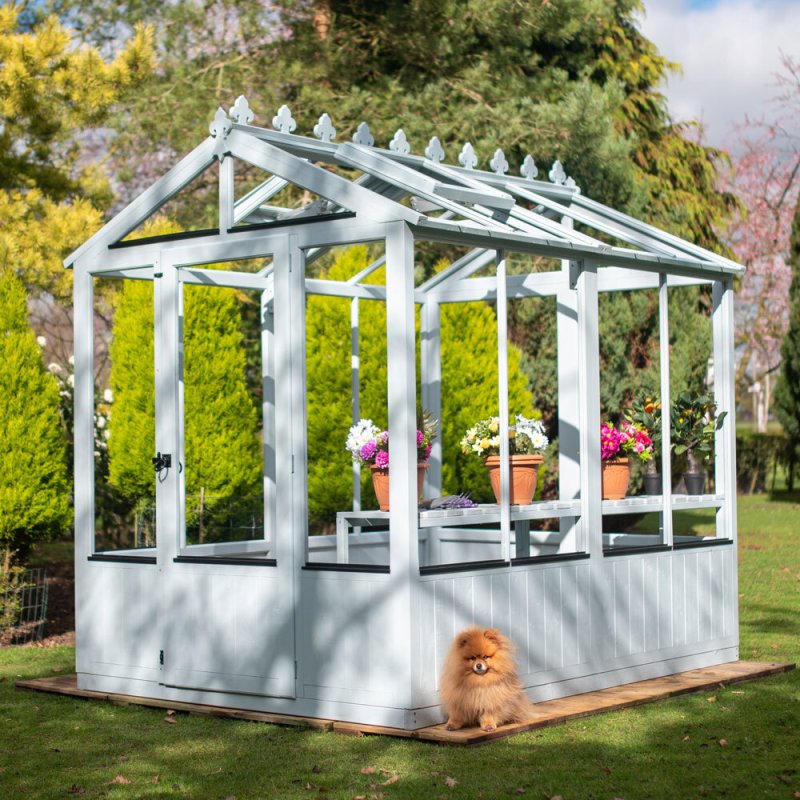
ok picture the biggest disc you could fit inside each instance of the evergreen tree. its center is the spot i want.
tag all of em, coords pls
(34, 488)
(50, 193)
(469, 387)
(223, 457)
(787, 390)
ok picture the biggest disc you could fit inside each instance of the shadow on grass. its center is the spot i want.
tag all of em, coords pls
(742, 745)
(762, 618)
(785, 497)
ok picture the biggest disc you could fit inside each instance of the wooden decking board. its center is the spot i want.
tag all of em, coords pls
(548, 713)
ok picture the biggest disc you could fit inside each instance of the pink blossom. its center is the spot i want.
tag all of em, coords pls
(382, 459)
(368, 450)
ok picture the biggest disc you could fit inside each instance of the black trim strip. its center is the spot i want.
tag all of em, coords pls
(250, 562)
(284, 223)
(622, 550)
(546, 559)
(462, 566)
(701, 543)
(325, 566)
(123, 559)
(164, 237)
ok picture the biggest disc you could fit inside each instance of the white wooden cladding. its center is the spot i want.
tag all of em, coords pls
(579, 619)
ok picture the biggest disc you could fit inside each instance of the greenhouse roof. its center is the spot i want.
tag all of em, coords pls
(487, 210)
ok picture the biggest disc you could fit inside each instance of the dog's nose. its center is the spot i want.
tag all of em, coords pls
(479, 667)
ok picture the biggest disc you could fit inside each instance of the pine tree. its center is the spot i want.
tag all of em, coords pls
(221, 428)
(51, 95)
(787, 390)
(34, 488)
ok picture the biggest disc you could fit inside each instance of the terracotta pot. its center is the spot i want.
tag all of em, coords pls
(616, 475)
(380, 482)
(522, 478)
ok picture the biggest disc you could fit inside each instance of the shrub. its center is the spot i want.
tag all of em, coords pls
(34, 484)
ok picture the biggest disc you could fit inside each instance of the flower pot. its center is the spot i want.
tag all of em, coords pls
(616, 475)
(524, 470)
(695, 482)
(380, 482)
(652, 483)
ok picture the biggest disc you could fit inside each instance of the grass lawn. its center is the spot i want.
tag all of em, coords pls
(741, 742)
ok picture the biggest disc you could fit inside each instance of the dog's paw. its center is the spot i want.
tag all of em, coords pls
(490, 726)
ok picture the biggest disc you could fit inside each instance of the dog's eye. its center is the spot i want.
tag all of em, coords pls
(472, 658)
(486, 658)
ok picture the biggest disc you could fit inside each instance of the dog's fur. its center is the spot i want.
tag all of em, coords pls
(479, 684)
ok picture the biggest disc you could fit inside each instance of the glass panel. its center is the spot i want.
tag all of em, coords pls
(124, 421)
(223, 461)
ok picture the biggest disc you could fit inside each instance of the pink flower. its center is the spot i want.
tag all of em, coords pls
(382, 459)
(368, 450)
(420, 438)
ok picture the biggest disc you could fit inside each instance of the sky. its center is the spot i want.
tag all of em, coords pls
(729, 51)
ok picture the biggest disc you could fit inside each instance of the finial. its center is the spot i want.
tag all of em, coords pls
(467, 157)
(528, 169)
(399, 143)
(434, 151)
(498, 162)
(241, 112)
(557, 174)
(220, 128)
(570, 182)
(324, 129)
(363, 135)
(283, 121)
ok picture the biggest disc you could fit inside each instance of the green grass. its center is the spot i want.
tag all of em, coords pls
(745, 744)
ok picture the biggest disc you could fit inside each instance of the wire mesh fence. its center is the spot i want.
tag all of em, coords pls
(23, 606)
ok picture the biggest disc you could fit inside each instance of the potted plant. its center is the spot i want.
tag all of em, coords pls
(526, 441)
(617, 446)
(369, 445)
(694, 421)
(645, 413)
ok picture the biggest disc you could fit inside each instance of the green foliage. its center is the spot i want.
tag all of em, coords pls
(646, 413)
(758, 457)
(787, 390)
(221, 429)
(34, 487)
(469, 388)
(694, 422)
(49, 190)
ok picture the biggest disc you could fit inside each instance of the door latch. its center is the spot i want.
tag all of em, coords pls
(162, 461)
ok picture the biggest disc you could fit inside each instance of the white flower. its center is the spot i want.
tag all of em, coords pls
(106, 434)
(108, 396)
(71, 380)
(42, 341)
(54, 368)
(101, 422)
(72, 360)
(362, 432)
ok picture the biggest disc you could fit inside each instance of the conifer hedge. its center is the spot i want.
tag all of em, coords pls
(34, 486)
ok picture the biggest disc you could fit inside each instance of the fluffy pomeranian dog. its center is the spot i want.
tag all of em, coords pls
(479, 684)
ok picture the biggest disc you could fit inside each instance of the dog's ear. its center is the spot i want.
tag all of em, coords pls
(493, 635)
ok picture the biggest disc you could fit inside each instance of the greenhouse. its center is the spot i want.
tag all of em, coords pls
(350, 618)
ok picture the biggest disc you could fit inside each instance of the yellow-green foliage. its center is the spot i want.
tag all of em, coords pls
(34, 488)
(469, 387)
(52, 93)
(221, 426)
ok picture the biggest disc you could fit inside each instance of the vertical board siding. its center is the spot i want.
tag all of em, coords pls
(581, 619)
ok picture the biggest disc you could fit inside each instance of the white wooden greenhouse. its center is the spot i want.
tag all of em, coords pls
(354, 624)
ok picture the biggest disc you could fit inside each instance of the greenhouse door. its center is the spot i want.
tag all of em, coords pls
(226, 575)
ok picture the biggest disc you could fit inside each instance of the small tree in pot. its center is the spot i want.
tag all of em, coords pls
(694, 421)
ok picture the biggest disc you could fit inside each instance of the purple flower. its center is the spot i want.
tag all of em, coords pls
(420, 438)
(382, 459)
(368, 451)
(427, 452)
